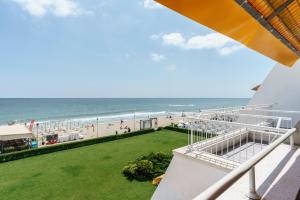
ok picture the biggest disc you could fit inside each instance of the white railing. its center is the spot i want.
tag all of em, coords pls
(222, 185)
(254, 126)
(237, 108)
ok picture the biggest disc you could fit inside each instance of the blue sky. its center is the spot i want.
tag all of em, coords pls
(113, 48)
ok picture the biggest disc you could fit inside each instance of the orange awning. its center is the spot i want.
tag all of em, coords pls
(231, 19)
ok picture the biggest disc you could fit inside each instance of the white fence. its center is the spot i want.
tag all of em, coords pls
(237, 138)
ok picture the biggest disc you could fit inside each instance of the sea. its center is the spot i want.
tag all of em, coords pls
(21, 110)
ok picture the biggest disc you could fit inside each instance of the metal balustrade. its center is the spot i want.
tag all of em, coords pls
(237, 139)
(222, 185)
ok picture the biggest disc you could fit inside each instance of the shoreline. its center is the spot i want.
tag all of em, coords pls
(106, 118)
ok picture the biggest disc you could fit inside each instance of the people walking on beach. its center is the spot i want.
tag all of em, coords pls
(121, 124)
(155, 123)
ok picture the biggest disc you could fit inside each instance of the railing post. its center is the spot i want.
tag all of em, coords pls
(292, 142)
(192, 136)
(252, 190)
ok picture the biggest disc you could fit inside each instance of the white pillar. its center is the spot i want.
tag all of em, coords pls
(252, 190)
(192, 133)
(279, 122)
(292, 142)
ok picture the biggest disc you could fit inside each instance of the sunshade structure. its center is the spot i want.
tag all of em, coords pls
(271, 27)
(14, 132)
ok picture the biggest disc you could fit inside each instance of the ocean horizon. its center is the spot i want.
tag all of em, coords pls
(106, 109)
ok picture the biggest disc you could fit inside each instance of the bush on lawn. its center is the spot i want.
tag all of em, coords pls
(147, 167)
(181, 130)
(141, 170)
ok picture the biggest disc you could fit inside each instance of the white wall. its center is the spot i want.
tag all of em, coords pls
(282, 87)
(187, 177)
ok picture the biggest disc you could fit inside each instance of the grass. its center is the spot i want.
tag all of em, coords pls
(91, 172)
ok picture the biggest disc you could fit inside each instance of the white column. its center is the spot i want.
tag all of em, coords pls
(252, 190)
(192, 134)
(279, 122)
(292, 142)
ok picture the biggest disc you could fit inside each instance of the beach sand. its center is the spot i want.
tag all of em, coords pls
(106, 129)
(94, 130)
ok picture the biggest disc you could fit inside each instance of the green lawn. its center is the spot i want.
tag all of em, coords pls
(91, 172)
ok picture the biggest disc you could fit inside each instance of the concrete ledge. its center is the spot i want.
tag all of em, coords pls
(186, 177)
(277, 177)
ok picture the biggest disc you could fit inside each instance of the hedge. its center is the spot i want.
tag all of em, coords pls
(64, 146)
(181, 130)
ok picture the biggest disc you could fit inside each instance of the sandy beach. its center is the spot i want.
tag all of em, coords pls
(134, 125)
(91, 129)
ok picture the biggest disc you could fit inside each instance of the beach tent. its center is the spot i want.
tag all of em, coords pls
(14, 132)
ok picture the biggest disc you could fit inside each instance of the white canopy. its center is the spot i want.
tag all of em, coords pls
(13, 132)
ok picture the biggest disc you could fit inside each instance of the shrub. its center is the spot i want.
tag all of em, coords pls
(159, 128)
(9, 149)
(181, 130)
(130, 170)
(144, 169)
(147, 167)
(141, 170)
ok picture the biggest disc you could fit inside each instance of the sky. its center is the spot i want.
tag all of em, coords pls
(113, 48)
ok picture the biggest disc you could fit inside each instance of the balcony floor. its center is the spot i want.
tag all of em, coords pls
(243, 153)
(277, 177)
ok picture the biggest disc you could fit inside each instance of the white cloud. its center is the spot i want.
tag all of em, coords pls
(229, 50)
(151, 4)
(175, 39)
(209, 41)
(157, 57)
(155, 36)
(223, 44)
(171, 67)
(60, 8)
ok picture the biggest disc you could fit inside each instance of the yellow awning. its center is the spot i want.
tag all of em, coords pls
(229, 18)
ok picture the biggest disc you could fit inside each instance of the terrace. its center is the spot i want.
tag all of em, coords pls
(230, 146)
(232, 135)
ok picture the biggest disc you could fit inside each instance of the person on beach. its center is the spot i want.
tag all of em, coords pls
(121, 125)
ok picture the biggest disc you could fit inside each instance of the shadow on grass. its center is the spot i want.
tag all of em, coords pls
(72, 170)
